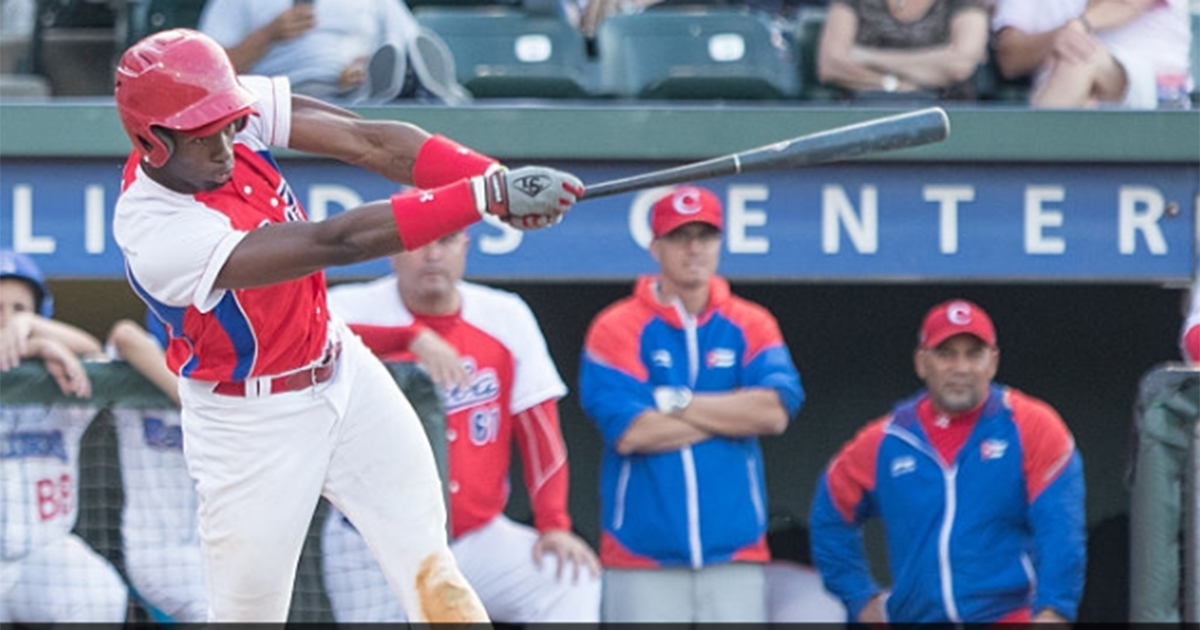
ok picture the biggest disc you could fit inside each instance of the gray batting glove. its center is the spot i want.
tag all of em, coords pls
(527, 198)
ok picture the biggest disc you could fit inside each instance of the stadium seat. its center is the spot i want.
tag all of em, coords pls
(143, 17)
(696, 54)
(809, 23)
(74, 46)
(501, 53)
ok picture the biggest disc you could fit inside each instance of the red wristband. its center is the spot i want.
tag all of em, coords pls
(424, 216)
(442, 161)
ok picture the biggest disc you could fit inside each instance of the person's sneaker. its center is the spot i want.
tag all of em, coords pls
(386, 71)
(433, 64)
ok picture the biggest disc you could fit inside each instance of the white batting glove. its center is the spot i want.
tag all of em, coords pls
(528, 198)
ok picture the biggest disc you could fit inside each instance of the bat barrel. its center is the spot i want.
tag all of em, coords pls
(873, 136)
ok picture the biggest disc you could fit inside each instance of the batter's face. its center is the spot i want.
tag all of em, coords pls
(958, 372)
(197, 164)
(688, 255)
(16, 296)
(428, 274)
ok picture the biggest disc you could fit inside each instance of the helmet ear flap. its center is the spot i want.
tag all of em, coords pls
(166, 140)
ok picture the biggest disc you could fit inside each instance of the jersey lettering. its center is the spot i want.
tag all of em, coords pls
(23, 444)
(54, 497)
(484, 387)
(161, 436)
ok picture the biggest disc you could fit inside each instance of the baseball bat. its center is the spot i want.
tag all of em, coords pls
(912, 129)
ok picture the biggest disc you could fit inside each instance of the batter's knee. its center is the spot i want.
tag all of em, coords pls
(443, 592)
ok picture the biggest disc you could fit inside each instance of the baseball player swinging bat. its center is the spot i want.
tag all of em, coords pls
(916, 128)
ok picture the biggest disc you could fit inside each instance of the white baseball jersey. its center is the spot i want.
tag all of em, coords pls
(158, 519)
(175, 245)
(39, 488)
(47, 574)
(160, 497)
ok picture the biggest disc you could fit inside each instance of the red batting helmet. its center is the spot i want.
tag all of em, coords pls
(177, 79)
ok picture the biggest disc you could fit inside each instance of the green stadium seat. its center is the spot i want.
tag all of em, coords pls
(74, 45)
(502, 53)
(992, 86)
(144, 17)
(696, 54)
(809, 23)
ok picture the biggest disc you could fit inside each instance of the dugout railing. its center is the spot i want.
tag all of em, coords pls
(1164, 511)
(116, 385)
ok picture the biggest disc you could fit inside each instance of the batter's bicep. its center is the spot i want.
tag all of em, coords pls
(388, 148)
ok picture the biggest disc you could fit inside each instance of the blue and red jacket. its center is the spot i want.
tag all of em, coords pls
(999, 530)
(705, 503)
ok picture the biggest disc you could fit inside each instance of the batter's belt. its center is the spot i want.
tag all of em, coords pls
(294, 382)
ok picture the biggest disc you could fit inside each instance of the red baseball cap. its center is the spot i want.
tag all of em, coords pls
(956, 317)
(685, 204)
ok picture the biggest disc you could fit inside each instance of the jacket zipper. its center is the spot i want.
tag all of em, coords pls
(949, 476)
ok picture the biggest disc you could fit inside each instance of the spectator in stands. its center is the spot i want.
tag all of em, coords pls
(484, 349)
(903, 49)
(49, 574)
(337, 50)
(1189, 337)
(681, 378)
(158, 516)
(1081, 53)
(979, 487)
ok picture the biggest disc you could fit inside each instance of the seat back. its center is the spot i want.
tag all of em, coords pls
(501, 53)
(74, 46)
(809, 23)
(145, 17)
(694, 53)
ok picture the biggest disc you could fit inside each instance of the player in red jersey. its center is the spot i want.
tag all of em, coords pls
(498, 383)
(281, 404)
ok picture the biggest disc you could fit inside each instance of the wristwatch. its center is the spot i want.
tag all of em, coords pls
(672, 400)
(889, 83)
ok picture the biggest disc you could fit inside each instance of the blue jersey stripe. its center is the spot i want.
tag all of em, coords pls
(237, 326)
(171, 316)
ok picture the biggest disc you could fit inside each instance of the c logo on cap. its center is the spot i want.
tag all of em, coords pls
(687, 202)
(959, 313)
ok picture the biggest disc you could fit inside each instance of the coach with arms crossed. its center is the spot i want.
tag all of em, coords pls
(979, 487)
(681, 378)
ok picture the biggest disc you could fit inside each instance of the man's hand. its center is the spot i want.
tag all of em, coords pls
(1048, 615)
(527, 198)
(64, 366)
(440, 360)
(293, 22)
(567, 547)
(874, 613)
(1073, 42)
(14, 340)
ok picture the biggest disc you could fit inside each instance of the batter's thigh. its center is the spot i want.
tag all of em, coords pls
(259, 465)
(67, 582)
(171, 579)
(497, 560)
(354, 583)
(384, 478)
